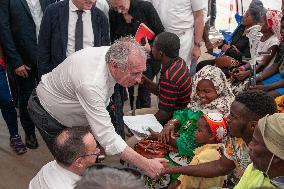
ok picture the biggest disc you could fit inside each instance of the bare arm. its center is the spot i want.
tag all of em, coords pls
(198, 32)
(266, 59)
(150, 85)
(163, 117)
(220, 167)
(271, 70)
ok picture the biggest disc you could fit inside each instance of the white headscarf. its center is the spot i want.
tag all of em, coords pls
(225, 98)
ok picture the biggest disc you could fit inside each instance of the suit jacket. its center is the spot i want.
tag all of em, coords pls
(53, 35)
(18, 32)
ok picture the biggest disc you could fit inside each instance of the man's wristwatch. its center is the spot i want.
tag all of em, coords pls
(198, 44)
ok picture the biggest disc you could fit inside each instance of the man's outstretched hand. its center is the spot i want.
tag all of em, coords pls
(155, 167)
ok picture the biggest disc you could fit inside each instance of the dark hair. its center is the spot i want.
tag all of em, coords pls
(258, 103)
(109, 178)
(168, 43)
(68, 145)
(256, 10)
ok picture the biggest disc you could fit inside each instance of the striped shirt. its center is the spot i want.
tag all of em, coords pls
(174, 85)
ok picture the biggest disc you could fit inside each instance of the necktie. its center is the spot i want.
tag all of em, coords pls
(79, 31)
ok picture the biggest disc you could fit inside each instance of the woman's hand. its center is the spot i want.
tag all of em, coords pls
(241, 75)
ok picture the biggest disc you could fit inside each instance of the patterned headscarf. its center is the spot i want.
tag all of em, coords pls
(273, 18)
(225, 98)
(217, 124)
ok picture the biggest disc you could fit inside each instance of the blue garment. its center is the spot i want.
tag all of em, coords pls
(273, 79)
(6, 104)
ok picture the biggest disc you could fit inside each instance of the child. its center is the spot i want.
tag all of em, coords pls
(211, 128)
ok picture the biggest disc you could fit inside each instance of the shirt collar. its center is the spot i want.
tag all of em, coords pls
(168, 64)
(73, 7)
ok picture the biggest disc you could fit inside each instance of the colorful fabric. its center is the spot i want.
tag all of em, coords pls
(186, 140)
(278, 101)
(225, 95)
(273, 18)
(2, 63)
(272, 79)
(203, 154)
(217, 124)
(253, 178)
(236, 150)
(174, 85)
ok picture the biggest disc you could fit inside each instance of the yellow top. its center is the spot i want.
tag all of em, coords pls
(203, 154)
(253, 178)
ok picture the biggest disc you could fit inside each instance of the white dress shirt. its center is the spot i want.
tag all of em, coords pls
(36, 11)
(77, 92)
(103, 6)
(88, 35)
(53, 176)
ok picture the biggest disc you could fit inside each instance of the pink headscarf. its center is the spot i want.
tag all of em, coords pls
(273, 18)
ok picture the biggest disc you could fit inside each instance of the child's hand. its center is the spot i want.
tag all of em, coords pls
(154, 135)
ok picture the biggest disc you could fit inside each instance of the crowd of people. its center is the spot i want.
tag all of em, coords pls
(68, 66)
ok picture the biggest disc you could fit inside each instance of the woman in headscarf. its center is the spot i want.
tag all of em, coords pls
(269, 42)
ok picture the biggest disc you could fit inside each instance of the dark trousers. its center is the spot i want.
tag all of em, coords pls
(47, 126)
(25, 88)
(115, 109)
(213, 13)
(7, 105)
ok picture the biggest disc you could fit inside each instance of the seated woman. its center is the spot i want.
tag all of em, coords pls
(271, 79)
(211, 129)
(210, 93)
(239, 47)
(268, 43)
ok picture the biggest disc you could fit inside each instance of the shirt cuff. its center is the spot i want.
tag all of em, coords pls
(116, 147)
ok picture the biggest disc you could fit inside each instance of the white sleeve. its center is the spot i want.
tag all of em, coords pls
(93, 102)
(198, 5)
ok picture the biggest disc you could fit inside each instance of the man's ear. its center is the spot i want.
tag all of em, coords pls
(79, 162)
(252, 125)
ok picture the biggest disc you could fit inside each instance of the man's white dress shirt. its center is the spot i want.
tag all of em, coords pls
(36, 11)
(53, 176)
(77, 92)
(88, 35)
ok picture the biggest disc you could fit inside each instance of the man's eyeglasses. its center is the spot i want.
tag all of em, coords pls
(96, 153)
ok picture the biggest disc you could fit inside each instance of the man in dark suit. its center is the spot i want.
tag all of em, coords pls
(58, 33)
(19, 26)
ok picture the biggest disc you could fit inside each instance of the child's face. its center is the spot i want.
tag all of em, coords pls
(203, 133)
(206, 91)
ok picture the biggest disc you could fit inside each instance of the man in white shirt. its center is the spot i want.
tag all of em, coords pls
(74, 150)
(185, 19)
(77, 92)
